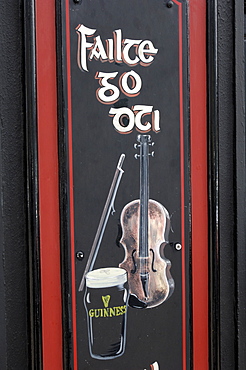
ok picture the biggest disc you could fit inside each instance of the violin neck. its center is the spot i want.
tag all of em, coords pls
(144, 195)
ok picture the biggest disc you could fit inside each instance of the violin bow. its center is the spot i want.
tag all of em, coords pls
(108, 208)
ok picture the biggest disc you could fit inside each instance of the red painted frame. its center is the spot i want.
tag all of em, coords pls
(49, 180)
(48, 185)
(199, 183)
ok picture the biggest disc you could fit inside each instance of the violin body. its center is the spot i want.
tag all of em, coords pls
(149, 275)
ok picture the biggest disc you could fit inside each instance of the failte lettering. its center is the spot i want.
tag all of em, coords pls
(117, 49)
(111, 84)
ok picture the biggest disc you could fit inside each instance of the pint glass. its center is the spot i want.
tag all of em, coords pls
(106, 300)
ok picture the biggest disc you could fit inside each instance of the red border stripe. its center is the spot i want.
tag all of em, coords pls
(199, 183)
(48, 185)
(71, 194)
(182, 186)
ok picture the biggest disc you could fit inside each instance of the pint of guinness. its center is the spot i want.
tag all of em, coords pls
(106, 300)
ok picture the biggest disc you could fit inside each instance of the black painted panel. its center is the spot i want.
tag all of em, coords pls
(96, 146)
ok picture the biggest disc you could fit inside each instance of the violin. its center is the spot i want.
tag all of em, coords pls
(145, 227)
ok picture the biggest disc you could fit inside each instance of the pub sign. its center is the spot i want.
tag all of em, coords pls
(124, 159)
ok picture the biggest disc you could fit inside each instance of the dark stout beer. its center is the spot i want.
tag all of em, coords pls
(106, 300)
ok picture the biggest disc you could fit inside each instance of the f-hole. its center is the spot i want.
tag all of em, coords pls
(153, 260)
(134, 262)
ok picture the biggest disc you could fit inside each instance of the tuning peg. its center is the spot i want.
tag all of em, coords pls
(136, 146)
(152, 143)
(148, 137)
(152, 154)
(136, 156)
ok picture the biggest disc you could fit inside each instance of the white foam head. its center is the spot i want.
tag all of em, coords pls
(106, 277)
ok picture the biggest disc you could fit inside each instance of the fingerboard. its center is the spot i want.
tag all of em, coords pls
(144, 194)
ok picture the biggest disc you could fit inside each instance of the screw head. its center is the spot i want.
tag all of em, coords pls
(169, 4)
(80, 255)
(178, 246)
